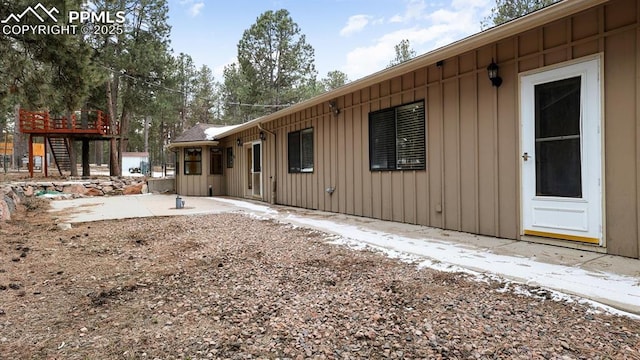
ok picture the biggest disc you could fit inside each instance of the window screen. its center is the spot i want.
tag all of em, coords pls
(397, 138)
(300, 151)
(558, 138)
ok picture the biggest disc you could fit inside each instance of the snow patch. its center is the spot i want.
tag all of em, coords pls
(212, 132)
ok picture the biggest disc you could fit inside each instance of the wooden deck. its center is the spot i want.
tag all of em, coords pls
(94, 123)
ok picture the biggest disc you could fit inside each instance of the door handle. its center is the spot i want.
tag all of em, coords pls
(526, 156)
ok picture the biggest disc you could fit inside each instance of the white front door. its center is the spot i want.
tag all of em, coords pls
(561, 152)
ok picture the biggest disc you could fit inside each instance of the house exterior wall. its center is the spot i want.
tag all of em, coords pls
(472, 178)
(198, 185)
(236, 177)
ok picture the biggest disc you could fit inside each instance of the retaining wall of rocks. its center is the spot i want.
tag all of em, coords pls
(13, 193)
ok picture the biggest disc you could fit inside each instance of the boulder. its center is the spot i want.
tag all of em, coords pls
(74, 189)
(93, 192)
(133, 189)
(5, 213)
(28, 191)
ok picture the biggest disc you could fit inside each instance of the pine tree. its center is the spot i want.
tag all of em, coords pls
(275, 66)
(404, 52)
(506, 10)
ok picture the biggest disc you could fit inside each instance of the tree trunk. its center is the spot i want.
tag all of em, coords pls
(147, 121)
(19, 143)
(124, 130)
(86, 169)
(114, 169)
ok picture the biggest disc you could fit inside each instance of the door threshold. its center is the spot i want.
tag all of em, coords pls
(564, 243)
(581, 239)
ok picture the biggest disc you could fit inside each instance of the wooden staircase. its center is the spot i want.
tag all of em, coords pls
(60, 151)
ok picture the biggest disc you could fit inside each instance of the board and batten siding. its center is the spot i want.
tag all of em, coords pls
(472, 178)
(198, 185)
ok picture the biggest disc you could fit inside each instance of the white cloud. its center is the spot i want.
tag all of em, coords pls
(426, 29)
(195, 8)
(218, 70)
(355, 24)
(415, 10)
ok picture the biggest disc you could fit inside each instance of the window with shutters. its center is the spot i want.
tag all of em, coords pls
(300, 151)
(397, 138)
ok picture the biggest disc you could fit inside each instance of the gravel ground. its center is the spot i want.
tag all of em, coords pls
(236, 287)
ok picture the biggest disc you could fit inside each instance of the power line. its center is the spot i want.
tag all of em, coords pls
(121, 74)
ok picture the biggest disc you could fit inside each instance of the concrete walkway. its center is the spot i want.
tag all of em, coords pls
(604, 279)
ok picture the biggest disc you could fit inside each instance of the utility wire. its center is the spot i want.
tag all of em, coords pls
(121, 74)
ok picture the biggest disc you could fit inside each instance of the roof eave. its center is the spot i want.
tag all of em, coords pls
(531, 21)
(182, 144)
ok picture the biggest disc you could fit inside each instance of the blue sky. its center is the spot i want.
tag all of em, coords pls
(353, 36)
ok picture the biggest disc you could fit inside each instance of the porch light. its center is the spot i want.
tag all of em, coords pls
(492, 71)
(239, 142)
(263, 136)
(333, 106)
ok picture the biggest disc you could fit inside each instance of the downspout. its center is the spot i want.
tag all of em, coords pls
(275, 165)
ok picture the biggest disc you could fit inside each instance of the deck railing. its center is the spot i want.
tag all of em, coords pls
(41, 122)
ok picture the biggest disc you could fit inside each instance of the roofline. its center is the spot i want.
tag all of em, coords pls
(530, 21)
(192, 143)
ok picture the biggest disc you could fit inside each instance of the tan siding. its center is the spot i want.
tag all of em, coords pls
(326, 169)
(554, 34)
(333, 163)
(387, 191)
(317, 190)
(621, 141)
(584, 49)
(619, 14)
(349, 173)
(508, 148)
(359, 159)
(585, 25)
(422, 205)
(487, 153)
(341, 174)
(320, 162)
(367, 176)
(468, 151)
(451, 206)
(472, 179)
(435, 154)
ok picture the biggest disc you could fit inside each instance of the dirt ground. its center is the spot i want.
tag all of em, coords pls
(236, 287)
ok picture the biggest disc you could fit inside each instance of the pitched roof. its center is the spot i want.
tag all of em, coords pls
(497, 33)
(202, 132)
(195, 133)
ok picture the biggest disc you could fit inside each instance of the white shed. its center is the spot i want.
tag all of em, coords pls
(135, 163)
